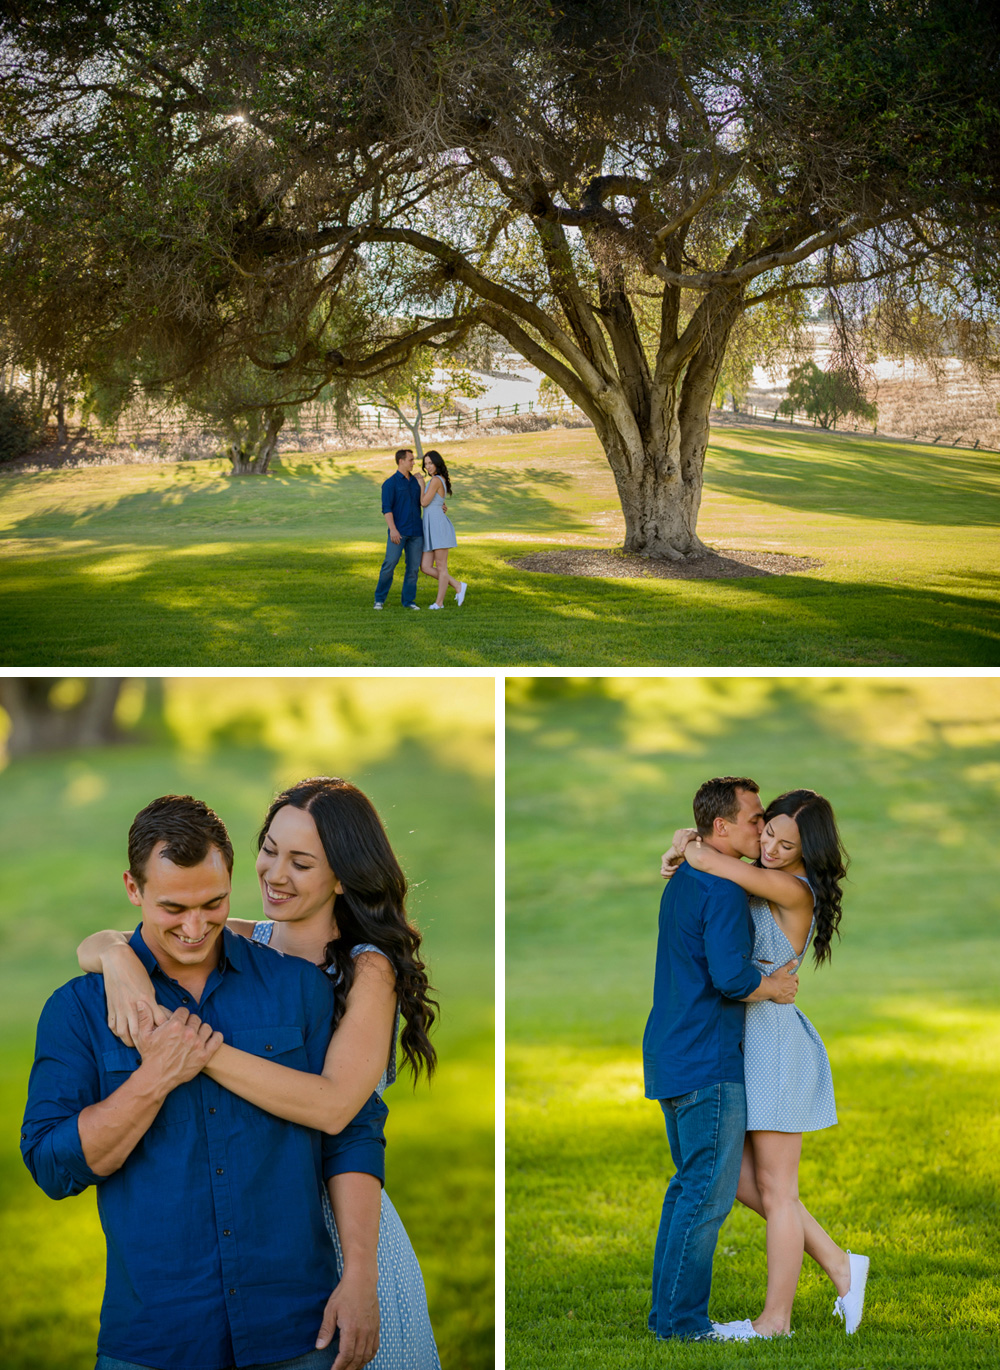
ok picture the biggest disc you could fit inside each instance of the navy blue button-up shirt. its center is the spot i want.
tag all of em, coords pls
(401, 499)
(217, 1250)
(694, 1035)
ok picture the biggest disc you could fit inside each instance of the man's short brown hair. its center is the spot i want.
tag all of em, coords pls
(718, 798)
(403, 452)
(188, 827)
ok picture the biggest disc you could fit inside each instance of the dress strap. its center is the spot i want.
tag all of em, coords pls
(262, 932)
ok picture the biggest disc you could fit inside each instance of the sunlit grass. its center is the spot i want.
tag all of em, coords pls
(177, 565)
(62, 838)
(598, 774)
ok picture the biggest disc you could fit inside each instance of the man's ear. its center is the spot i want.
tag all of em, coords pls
(132, 890)
(719, 827)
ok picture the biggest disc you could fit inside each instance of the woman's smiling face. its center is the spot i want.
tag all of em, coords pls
(780, 843)
(296, 881)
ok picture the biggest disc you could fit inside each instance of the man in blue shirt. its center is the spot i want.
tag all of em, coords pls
(217, 1251)
(693, 1054)
(401, 507)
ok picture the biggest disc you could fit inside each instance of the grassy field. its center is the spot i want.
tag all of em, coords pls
(598, 775)
(62, 840)
(155, 566)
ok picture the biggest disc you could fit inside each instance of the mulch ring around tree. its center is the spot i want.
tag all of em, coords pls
(722, 563)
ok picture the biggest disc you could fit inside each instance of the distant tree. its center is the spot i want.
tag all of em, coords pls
(46, 716)
(826, 396)
(420, 388)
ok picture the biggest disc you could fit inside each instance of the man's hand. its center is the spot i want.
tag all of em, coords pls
(779, 988)
(353, 1307)
(178, 1049)
(395, 537)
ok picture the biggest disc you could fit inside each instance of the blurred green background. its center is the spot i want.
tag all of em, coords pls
(422, 749)
(599, 773)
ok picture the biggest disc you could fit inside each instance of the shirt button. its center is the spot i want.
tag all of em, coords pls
(211, 1110)
(220, 1171)
(269, 1047)
(232, 1291)
(185, 1000)
(226, 1232)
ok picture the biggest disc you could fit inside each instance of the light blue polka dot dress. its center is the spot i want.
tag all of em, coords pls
(788, 1081)
(406, 1341)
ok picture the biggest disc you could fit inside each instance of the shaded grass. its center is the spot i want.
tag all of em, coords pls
(598, 774)
(62, 840)
(180, 565)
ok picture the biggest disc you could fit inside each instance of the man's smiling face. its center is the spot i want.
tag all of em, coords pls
(184, 909)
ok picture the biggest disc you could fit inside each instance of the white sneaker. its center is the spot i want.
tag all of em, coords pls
(850, 1306)
(463, 585)
(435, 606)
(377, 605)
(735, 1331)
(411, 606)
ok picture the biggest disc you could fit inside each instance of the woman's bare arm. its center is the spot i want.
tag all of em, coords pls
(787, 892)
(429, 490)
(126, 982)
(355, 1059)
(356, 1200)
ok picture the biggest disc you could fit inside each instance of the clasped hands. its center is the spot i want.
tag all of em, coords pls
(685, 845)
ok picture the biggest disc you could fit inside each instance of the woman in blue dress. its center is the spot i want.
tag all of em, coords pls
(795, 899)
(439, 531)
(333, 892)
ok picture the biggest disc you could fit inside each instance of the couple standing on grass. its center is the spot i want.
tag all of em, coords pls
(424, 543)
(219, 1081)
(739, 1072)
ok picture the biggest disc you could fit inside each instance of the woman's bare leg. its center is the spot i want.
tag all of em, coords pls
(831, 1258)
(444, 579)
(776, 1165)
(427, 565)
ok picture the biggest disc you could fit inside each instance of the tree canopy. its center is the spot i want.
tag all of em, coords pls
(612, 186)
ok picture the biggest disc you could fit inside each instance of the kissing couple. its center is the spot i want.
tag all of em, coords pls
(739, 1072)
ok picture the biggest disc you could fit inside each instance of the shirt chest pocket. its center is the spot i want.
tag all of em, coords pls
(177, 1108)
(284, 1045)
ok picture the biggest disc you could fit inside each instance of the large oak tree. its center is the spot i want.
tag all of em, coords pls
(610, 185)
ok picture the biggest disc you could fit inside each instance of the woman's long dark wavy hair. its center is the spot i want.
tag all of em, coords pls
(441, 470)
(823, 856)
(372, 907)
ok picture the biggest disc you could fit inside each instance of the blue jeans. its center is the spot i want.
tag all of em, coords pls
(705, 1130)
(312, 1360)
(414, 549)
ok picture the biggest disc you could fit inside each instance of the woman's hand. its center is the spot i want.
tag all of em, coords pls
(126, 986)
(682, 837)
(353, 1307)
(694, 853)
(670, 862)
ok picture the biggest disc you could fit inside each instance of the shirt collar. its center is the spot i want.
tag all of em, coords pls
(233, 956)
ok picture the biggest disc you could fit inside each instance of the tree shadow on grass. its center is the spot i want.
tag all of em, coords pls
(866, 480)
(321, 499)
(256, 602)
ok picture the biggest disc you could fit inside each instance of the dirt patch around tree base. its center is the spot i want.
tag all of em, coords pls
(721, 563)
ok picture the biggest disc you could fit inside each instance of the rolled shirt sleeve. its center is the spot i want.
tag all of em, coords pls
(64, 1081)
(360, 1146)
(729, 942)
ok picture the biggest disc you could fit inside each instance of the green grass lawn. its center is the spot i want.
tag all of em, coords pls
(179, 565)
(598, 775)
(62, 841)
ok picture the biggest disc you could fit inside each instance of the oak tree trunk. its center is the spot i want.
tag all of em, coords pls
(254, 461)
(39, 724)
